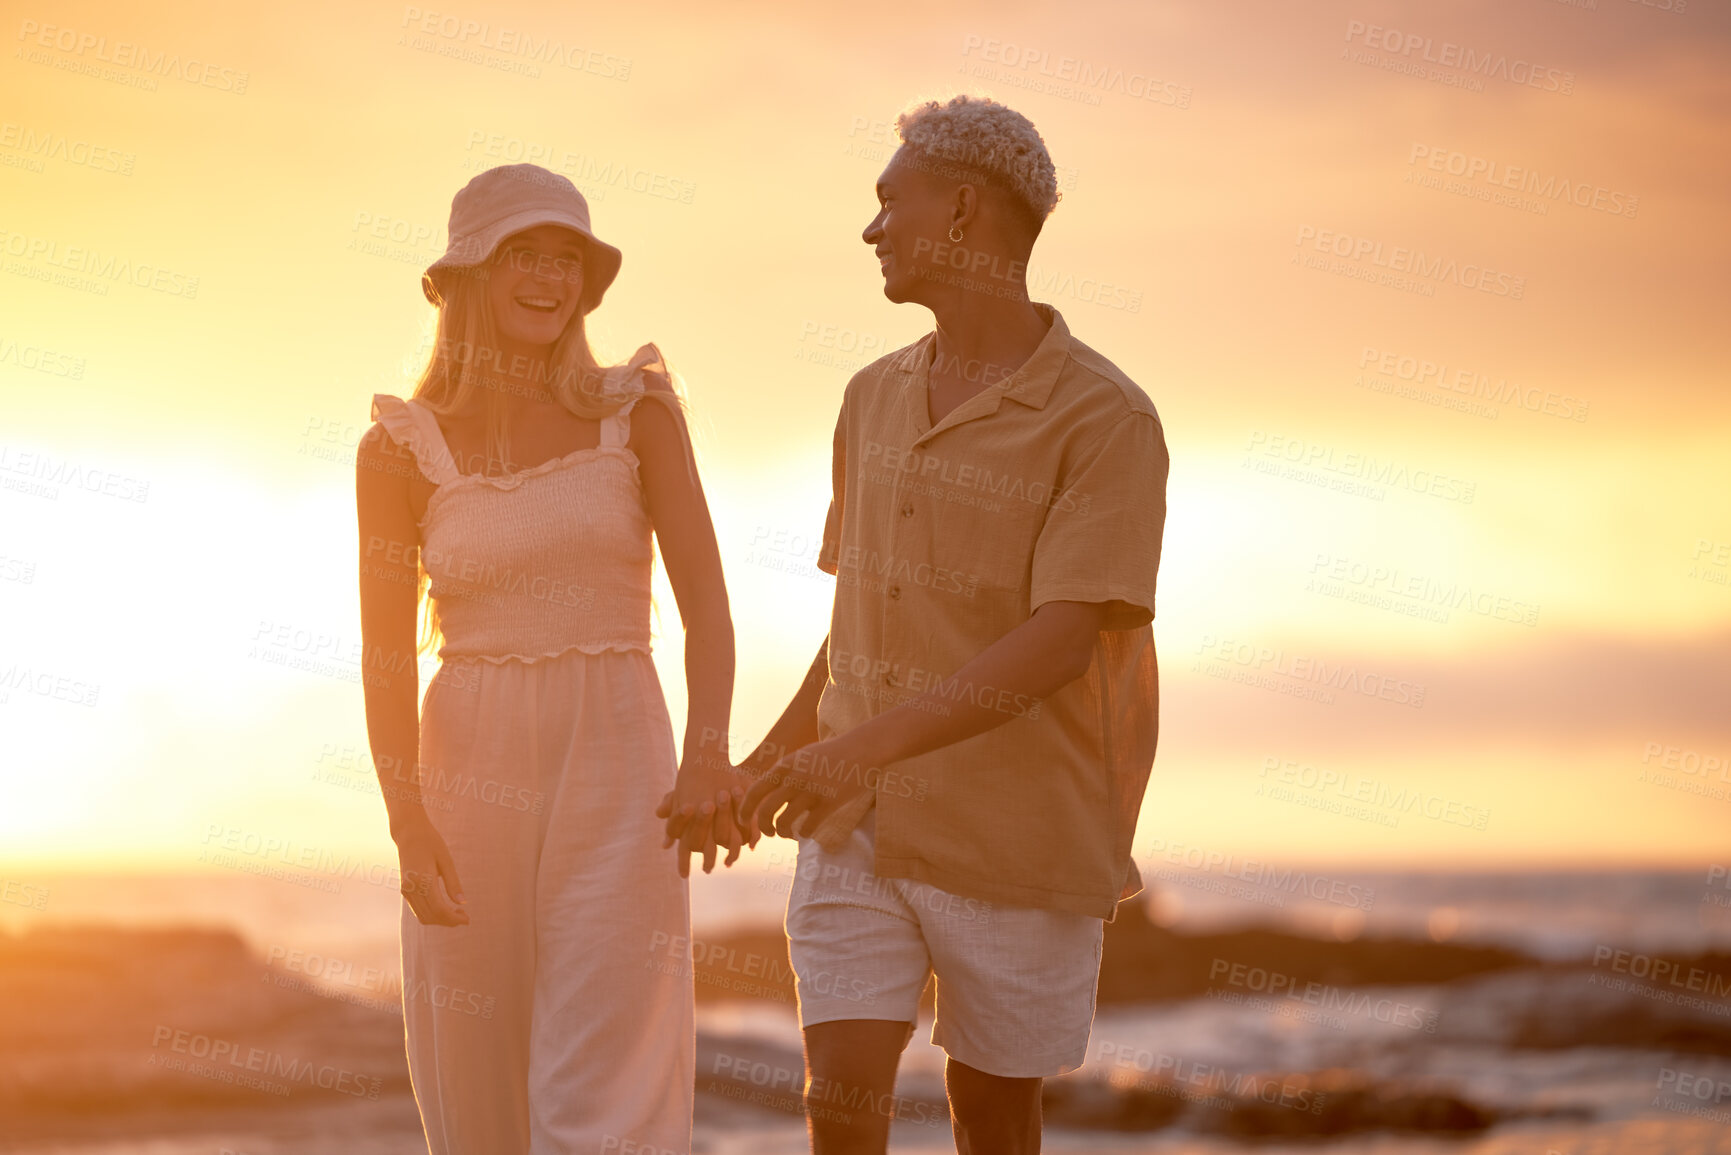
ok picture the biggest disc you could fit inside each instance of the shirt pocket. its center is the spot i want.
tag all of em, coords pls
(986, 537)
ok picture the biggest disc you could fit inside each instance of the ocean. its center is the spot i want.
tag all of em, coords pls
(1575, 1050)
(1556, 915)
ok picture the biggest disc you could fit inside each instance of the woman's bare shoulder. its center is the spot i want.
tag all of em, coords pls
(377, 449)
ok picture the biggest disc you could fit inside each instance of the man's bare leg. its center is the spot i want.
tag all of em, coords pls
(992, 1114)
(850, 1068)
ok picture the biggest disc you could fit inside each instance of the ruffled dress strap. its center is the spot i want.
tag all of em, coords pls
(413, 426)
(631, 379)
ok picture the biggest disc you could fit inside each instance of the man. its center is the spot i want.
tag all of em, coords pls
(972, 743)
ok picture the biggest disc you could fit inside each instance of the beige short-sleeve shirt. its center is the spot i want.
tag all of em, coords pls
(1049, 485)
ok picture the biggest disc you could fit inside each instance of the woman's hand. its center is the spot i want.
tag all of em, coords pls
(702, 811)
(429, 874)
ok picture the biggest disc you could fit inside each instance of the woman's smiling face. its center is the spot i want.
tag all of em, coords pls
(534, 283)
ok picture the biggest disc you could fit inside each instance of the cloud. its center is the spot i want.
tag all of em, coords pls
(1572, 691)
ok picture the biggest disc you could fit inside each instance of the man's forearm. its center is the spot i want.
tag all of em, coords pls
(797, 725)
(1037, 658)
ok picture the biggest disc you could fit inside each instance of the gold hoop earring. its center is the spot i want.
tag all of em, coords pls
(955, 235)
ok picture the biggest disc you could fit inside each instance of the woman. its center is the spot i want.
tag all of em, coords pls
(546, 998)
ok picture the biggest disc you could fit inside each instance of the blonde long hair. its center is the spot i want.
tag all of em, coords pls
(465, 337)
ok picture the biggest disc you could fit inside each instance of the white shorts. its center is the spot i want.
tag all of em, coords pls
(1016, 985)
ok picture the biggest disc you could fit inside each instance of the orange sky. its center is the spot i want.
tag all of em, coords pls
(1295, 229)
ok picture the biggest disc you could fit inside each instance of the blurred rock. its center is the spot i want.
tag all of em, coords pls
(1556, 1007)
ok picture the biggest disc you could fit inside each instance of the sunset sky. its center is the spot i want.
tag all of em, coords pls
(1268, 222)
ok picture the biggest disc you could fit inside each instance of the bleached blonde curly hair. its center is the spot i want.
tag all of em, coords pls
(997, 142)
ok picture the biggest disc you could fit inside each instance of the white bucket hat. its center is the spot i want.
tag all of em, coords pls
(506, 200)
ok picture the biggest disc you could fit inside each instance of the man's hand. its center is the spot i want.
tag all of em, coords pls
(807, 786)
(702, 811)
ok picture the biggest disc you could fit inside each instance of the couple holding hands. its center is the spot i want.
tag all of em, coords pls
(963, 764)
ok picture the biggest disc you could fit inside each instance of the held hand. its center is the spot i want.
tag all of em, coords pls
(809, 787)
(702, 811)
(429, 875)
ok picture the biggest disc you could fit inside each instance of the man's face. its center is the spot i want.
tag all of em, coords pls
(534, 282)
(913, 220)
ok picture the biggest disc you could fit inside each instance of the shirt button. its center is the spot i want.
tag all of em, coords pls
(908, 509)
(896, 593)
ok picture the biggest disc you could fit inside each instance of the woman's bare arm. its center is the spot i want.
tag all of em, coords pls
(686, 534)
(390, 677)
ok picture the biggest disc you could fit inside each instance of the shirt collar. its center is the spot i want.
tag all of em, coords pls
(1032, 383)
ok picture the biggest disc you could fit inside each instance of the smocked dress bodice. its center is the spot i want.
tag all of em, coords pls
(542, 561)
